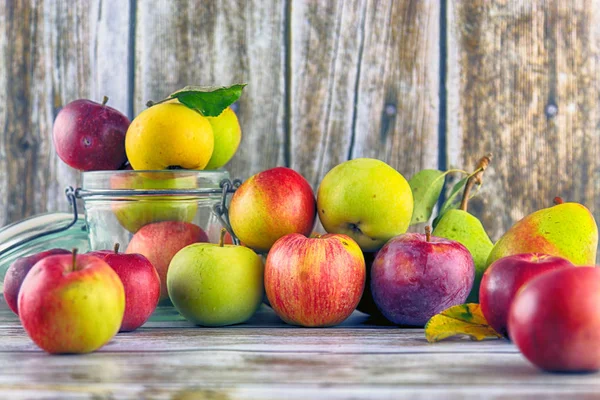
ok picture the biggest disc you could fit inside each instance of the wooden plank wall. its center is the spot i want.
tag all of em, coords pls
(419, 84)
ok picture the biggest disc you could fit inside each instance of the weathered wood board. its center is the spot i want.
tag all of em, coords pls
(523, 82)
(419, 84)
(52, 52)
(265, 359)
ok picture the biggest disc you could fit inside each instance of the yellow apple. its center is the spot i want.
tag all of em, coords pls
(167, 136)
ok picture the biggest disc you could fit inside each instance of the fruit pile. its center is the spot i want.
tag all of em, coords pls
(524, 283)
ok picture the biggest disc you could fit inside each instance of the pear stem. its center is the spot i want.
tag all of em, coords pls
(116, 248)
(151, 103)
(222, 238)
(428, 233)
(558, 200)
(475, 178)
(104, 100)
(74, 252)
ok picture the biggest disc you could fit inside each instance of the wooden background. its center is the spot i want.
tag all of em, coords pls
(419, 84)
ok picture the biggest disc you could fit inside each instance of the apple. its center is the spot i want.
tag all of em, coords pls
(416, 276)
(228, 134)
(270, 205)
(134, 214)
(140, 281)
(555, 321)
(367, 200)
(89, 136)
(367, 304)
(504, 277)
(216, 284)
(314, 282)
(16, 273)
(71, 303)
(160, 241)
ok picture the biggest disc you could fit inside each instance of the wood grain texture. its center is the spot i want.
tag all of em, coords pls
(523, 83)
(183, 42)
(52, 52)
(364, 82)
(266, 359)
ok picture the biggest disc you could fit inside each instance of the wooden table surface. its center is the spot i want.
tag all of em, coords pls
(265, 359)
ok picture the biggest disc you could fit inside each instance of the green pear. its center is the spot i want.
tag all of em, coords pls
(466, 229)
(566, 230)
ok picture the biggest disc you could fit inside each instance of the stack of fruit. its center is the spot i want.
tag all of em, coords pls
(366, 260)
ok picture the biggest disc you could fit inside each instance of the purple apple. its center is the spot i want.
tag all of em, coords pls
(89, 136)
(416, 276)
(17, 272)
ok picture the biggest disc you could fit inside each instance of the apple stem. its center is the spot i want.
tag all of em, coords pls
(104, 100)
(428, 233)
(74, 252)
(475, 178)
(558, 200)
(116, 248)
(222, 238)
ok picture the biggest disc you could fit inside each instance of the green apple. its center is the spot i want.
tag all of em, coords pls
(367, 200)
(133, 214)
(215, 284)
(228, 134)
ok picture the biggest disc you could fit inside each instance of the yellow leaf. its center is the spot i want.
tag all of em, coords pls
(464, 319)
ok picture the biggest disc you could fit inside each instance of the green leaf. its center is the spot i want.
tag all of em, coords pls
(209, 101)
(463, 319)
(451, 202)
(426, 187)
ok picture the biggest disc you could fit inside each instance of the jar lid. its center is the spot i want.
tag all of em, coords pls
(39, 233)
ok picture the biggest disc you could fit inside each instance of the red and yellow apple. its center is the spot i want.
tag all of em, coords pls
(504, 278)
(270, 205)
(160, 241)
(16, 273)
(555, 320)
(71, 304)
(415, 276)
(314, 282)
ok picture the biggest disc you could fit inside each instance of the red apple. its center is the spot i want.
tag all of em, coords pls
(90, 136)
(555, 320)
(141, 283)
(270, 205)
(17, 272)
(504, 277)
(415, 276)
(71, 304)
(160, 241)
(314, 281)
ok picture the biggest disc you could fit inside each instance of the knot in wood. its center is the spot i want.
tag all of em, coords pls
(551, 110)
(390, 110)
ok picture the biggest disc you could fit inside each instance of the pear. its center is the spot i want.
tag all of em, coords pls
(566, 230)
(463, 227)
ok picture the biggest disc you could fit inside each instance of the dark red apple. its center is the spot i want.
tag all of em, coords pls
(367, 304)
(17, 272)
(504, 277)
(142, 287)
(314, 282)
(555, 320)
(415, 276)
(89, 136)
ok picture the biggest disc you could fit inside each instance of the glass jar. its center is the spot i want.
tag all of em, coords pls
(39, 233)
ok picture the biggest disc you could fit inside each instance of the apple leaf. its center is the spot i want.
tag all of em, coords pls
(209, 101)
(463, 319)
(426, 186)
